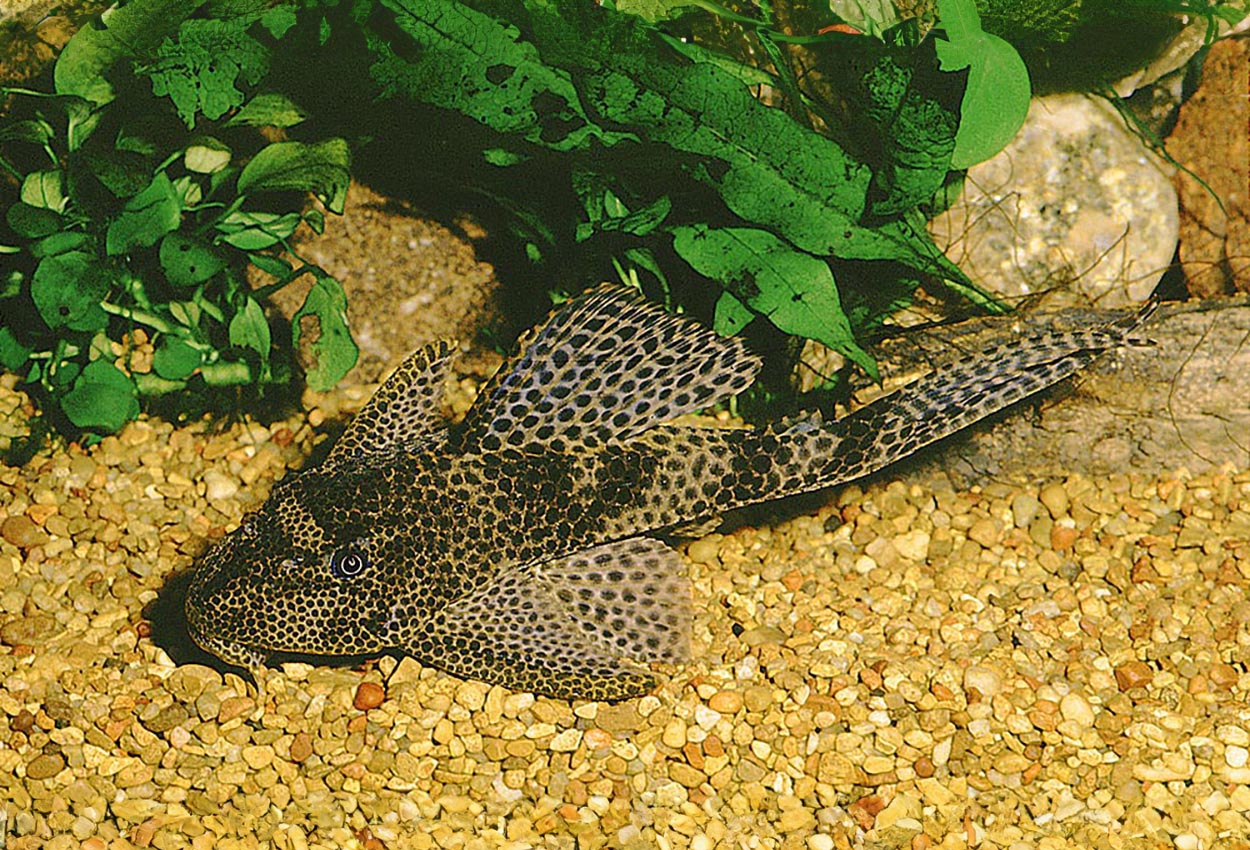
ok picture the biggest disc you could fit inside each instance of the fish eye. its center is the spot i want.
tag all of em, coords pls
(348, 562)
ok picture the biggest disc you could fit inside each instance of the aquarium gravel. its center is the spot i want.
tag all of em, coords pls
(914, 663)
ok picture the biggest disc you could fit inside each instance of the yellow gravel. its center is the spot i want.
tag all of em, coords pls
(1026, 664)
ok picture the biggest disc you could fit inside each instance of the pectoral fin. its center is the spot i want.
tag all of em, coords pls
(572, 628)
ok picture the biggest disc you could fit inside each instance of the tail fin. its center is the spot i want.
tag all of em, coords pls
(955, 396)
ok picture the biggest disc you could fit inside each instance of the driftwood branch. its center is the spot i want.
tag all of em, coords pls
(1183, 402)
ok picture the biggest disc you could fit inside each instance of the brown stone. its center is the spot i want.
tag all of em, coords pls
(22, 532)
(301, 747)
(368, 695)
(1134, 674)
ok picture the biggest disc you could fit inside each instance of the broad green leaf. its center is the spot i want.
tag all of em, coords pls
(906, 112)
(200, 70)
(59, 243)
(731, 315)
(13, 355)
(174, 360)
(268, 110)
(126, 31)
(66, 286)
(32, 222)
(37, 132)
(272, 266)
(253, 231)
(206, 156)
(321, 168)
(996, 100)
(249, 329)
(316, 220)
(123, 172)
(871, 17)
(278, 19)
(103, 398)
(654, 10)
(44, 189)
(187, 261)
(795, 291)
(335, 350)
(146, 217)
(468, 61)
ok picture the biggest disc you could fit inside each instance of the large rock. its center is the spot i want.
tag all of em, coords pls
(1075, 202)
(1210, 139)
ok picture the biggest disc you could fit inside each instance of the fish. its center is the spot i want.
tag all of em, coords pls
(527, 546)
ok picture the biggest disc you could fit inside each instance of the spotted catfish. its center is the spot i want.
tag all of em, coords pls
(519, 547)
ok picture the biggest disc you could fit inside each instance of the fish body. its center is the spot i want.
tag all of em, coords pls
(519, 547)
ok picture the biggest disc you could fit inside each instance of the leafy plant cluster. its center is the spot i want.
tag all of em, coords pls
(144, 190)
(678, 168)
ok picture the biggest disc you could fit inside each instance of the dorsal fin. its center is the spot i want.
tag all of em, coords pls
(404, 410)
(608, 365)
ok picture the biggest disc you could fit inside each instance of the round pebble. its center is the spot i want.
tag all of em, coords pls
(368, 695)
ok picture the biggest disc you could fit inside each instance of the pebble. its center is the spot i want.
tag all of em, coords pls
(726, 702)
(45, 766)
(1077, 709)
(23, 533)
(218, 487)
(368, 695)
(985, 680)
(1055, 498)
(1133, 674)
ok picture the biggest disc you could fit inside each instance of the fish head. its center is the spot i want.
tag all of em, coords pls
(303, 574)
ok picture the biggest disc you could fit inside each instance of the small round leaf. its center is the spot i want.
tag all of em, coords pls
(188, 262)
(102, 399)
(66, 286)
(175, 360)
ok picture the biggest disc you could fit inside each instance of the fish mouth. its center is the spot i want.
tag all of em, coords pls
(232, 652)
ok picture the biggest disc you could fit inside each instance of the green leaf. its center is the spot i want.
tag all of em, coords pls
(654, 10)
(996, 100)
(278, 20)
(201, 69)
(32, 222)
(321, 168)
(252, 231)
(335, 350)
(174, 360)
(731, 315)
(249, 329)
(272, 266)
(185, 313)
(188, 262)
(268, 110)
(59, 243)
(906, 114)
(103, 398)
(468, 61)
(146, 217)
(43, 189)
(129, 30)
(37, 132)
(206, 156)
(795, 291)
(871, 17)
(66, 286)
(13, 355)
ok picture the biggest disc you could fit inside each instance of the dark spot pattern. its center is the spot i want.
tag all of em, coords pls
(514, 549)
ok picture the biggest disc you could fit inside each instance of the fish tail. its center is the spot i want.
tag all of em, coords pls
(954, 397)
